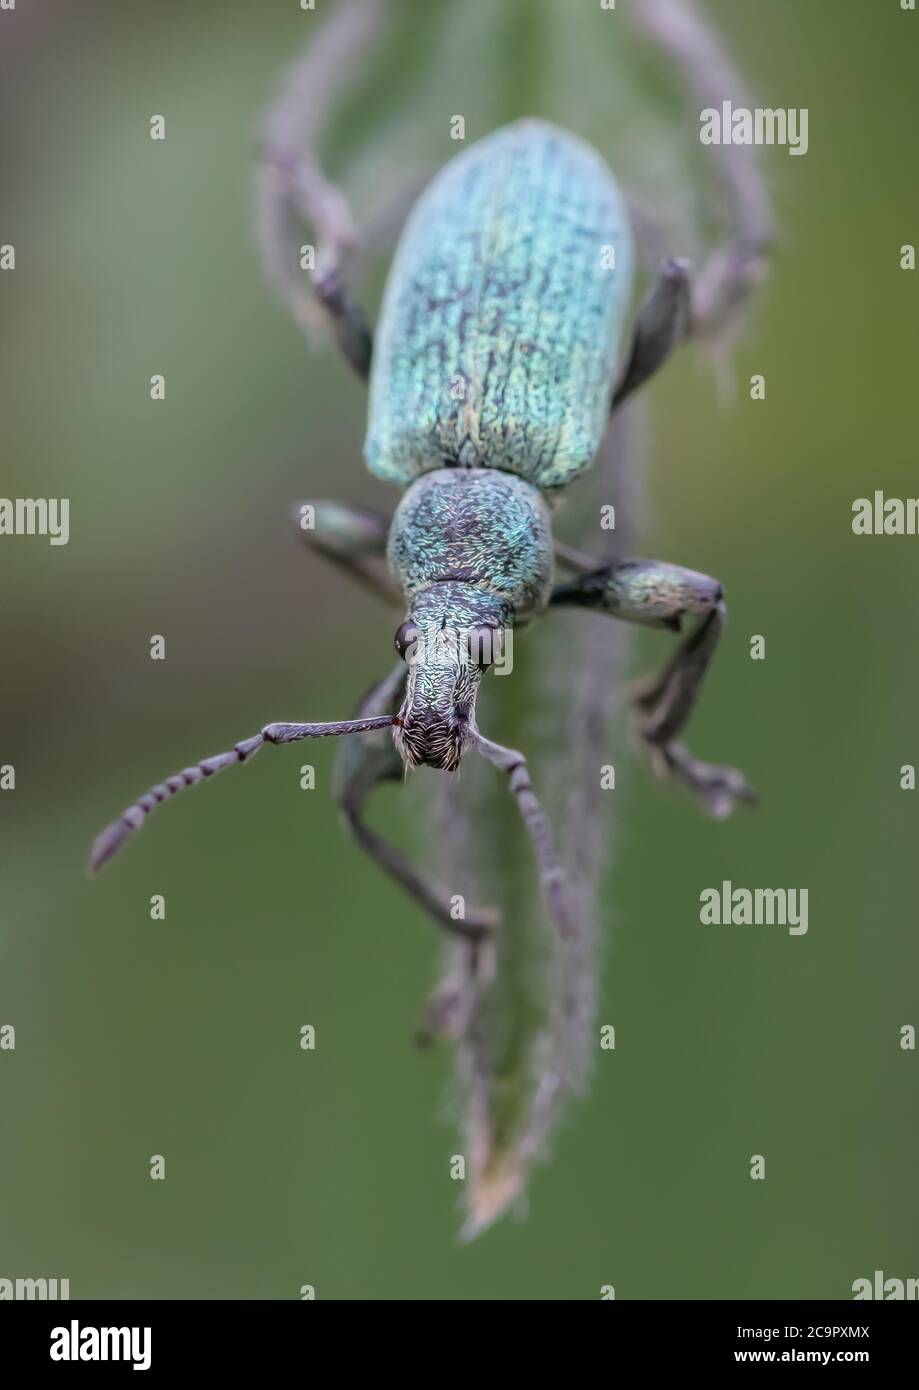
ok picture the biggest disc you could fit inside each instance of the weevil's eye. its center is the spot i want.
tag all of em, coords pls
(406, 639)
(485, 645)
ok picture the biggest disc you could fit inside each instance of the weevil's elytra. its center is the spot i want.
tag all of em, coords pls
(502, 314)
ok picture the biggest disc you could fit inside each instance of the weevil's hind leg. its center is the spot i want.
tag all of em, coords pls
(733, 269)
(352, 538)
(294, 198)
(657, 594)
(365, 764)
(293, 193)
(661, 325)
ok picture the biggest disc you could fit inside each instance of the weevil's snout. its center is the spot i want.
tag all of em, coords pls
(453, 634)
(431, 725)
(429, 738)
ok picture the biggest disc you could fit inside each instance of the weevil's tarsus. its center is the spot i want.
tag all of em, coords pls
(110, 840)
(717, 788)
(368, 762)
(661, 325)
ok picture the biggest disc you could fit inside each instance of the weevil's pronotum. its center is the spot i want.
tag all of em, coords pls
(494, 371)
(492, 374)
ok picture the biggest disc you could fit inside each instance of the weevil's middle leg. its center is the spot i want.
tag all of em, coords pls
(351, 538)
(663, 705)
(577, 560)
(365, 764)
(657, 594)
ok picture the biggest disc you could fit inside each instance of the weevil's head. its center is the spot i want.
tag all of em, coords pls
(453, 633)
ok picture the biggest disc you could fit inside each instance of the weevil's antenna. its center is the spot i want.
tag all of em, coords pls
(551, 869)
(110, 840)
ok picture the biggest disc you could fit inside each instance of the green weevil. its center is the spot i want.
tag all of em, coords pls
(492, 377)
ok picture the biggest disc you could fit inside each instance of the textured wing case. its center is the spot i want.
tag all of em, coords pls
(499, 329)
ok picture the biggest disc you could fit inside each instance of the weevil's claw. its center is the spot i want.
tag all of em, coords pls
(718, 789)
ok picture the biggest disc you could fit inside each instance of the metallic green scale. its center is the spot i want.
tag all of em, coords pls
(499, 330)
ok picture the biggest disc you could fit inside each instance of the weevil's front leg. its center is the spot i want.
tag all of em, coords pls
(659, 595)
(662, 324)
(352, 538)
(551, 869)
(366, 763)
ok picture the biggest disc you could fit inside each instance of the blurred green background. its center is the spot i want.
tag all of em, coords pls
(180, 1037)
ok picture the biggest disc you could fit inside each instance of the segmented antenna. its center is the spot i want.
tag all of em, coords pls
(110, 840)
